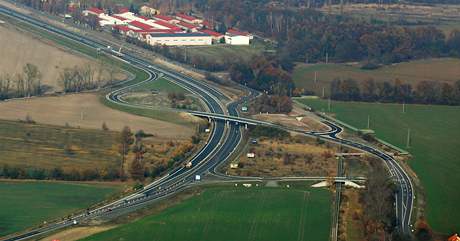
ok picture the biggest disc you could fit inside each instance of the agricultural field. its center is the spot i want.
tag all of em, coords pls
(434, 132)
(86, 111)
(443, 69)
(293, 156)
(236, 213)
(25, 205)
(21, 47)
(45, 146)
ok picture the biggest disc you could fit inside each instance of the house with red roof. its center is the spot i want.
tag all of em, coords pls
(188, 19)
(165, 18)
(140, 25)
(188, 26)
(235, 37)
(123, 10)
(215, 35)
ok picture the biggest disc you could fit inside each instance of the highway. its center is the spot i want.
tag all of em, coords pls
(222, 141)
(225, 136)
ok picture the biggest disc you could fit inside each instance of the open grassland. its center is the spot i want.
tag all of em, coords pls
(443, 69)
(236, 213)
(222, 53)
(45, 146)
(20, 48)
(25, 204)
(86, 111)
(435, 132)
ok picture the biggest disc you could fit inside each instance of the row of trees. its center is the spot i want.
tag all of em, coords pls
(424, 92)
(58, 173)
(86, 77)
(25, 84)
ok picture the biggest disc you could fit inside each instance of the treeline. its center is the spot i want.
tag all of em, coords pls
(306, 35)
(271, 104)
(424, 92)
(14, 172)
(25, 84)
(80, 78)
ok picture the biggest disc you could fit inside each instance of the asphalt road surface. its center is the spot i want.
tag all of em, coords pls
(223, 140)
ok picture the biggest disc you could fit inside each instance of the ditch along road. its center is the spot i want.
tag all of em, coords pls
(225, 136)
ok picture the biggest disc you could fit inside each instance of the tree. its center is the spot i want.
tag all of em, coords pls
(137, 170)
(32, 79)
(125, 139)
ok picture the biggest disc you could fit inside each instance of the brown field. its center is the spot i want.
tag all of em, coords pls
(77, 233)
(443, 69)
(86, 111)
(19, 48)
(306, 158)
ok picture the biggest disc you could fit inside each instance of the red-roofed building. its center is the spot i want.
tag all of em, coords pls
(215, 35)
(119, 18)
(140, 25)
(167, 25)
(188, 18)
(123, 10)
(94, 11)
(143, 18)
(123, 29)
(188, 26)
(165, 18)
(235, 37)
(207, 24)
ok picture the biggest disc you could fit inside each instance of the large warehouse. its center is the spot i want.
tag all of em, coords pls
(179, 39)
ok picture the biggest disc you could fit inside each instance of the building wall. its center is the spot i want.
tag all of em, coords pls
(236, 40)
(179, 41)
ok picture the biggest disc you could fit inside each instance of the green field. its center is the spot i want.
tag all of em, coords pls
(236, 213)
(44, 146)
(222, 53)
(25, 204)
(444, 69)
(435, 132)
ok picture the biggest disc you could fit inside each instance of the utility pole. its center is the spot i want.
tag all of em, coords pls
(408, 138)
(323, 92)
(185, 54)
(327, 57)
(316, 77)
(404, 107)
(329, 104)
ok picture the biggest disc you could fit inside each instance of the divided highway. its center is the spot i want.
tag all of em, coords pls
(224, 138)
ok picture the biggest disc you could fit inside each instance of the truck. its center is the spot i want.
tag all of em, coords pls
(188, 164)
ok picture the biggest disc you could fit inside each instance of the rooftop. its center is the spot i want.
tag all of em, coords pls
(96, 10)
(140, 25)
(163, 17)
(237, 32)
(187, 25)
(210, 32)
(163, 35)
(186, 17)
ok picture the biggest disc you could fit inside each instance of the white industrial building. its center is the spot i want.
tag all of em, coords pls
(179, 39)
